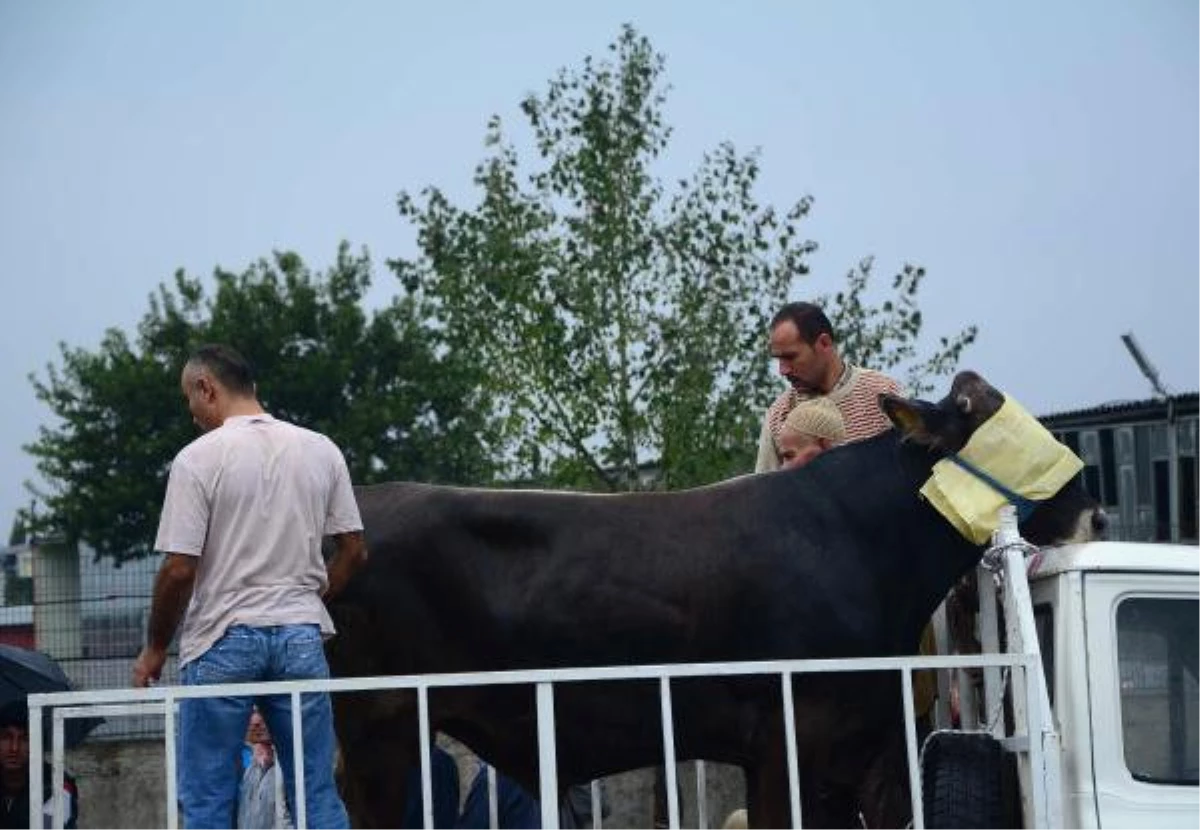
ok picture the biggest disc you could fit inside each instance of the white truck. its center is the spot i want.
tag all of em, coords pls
(1116, 626)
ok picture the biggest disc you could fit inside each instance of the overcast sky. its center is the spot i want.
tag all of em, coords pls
(1039, 158)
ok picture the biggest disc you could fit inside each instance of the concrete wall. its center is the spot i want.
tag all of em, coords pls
(122, 784)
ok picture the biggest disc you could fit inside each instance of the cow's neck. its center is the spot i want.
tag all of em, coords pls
(909, 549)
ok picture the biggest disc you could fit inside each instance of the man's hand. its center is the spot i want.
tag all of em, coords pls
(148, 666)
(172, 590)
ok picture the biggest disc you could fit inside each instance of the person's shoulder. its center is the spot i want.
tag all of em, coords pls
(877, 381)
(314, 441)
(199, 449)
(782, 404)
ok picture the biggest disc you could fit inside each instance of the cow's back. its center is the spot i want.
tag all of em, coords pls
(765, 566)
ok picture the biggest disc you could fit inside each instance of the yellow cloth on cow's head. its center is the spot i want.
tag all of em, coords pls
(1016, 451)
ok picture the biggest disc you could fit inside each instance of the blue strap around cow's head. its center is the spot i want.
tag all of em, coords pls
(1024, 506)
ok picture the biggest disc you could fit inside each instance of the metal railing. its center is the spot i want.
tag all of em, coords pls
(163, 700)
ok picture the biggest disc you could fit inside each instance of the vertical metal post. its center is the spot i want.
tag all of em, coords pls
(910, 741)
(597, 806)
(941, 637)
(426, 757)
(990, 641)
(35, 765)
(301, 816)
(789, 730)
(547, 756)
(701, 796)
(493, 798)
(172, 762)
(1036, 764)
(58, 762)
(668, 730)
(1045, 754)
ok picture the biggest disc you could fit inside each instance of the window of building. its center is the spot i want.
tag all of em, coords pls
(1187, 499)
(1091, 482)
(1185, 436)
(1162, 500)
(1071, 439)
(1108, 468)
(1143, 463)
(1156, 652)
(1089, 451)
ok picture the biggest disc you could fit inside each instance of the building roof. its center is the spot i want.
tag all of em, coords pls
(1114, 412)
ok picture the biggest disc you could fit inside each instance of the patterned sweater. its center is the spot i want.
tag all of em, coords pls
(857, 397)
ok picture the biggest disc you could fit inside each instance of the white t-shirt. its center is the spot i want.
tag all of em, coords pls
(253, 499)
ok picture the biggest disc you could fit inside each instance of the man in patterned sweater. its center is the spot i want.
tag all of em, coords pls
(802, 341)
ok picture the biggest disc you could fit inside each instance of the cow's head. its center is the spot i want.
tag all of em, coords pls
(984, 464)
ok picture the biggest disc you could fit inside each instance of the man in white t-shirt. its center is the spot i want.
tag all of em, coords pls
(246, 508)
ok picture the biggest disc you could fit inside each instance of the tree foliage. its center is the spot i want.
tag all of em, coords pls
(884, 336)
(622, 322)
(371, 381)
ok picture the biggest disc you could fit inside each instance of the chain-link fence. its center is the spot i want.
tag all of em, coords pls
(90, 616)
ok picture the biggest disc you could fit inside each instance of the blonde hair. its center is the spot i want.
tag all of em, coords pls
(736, 820)
(818, 417)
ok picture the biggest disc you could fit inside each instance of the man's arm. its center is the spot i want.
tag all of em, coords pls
(172, 592)
(766, 460)
(349, 556)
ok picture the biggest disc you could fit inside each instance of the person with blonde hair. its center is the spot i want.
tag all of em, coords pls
(813, 426)
(802, 341)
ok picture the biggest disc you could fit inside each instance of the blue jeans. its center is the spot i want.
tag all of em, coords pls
(212, 730)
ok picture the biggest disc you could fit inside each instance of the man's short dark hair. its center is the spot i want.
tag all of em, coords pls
(227, 365)
(15, 713)
(808, 318)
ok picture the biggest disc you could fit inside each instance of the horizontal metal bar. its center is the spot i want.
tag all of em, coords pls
(599, 673)
(1015, 743)
(112, 710)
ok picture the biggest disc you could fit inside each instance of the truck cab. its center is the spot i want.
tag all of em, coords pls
(1117, 628)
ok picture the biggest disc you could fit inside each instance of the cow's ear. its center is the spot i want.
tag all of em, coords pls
(919, 421)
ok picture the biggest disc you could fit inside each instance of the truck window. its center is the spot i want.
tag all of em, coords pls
(1157, 650)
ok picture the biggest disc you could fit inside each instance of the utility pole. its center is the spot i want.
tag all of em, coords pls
(1161, 394)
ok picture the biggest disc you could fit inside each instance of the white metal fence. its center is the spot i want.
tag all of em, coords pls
(163, 700)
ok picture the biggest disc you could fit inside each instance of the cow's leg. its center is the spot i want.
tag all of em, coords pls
(828, 802)
(377, 738)
(768, 792)
(823, 802)
(883, 792)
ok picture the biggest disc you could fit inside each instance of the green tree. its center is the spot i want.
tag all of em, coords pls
(884, 336)
(372, 381)
(621, 323)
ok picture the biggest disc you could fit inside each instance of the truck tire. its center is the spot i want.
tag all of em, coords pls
(963, 781)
